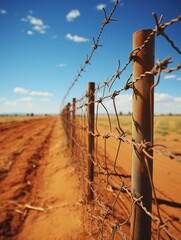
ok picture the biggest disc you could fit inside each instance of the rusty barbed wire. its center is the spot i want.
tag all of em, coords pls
(110, 213)
(94, 47)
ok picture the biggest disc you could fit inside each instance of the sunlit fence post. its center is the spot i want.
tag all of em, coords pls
(68, 122)
(90, 95)
(73, 123)
(142, 130)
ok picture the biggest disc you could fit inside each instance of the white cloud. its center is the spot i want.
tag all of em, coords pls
(36, 24)
(32, 93)
(35, 21)
(178, 99)
(72, 15)
(43, 94)
(123, 104)
(170, 76)
(25, 99)
(2, 99)
(30, 32)
(20, 90)
(76, 38)
(17, 101)
(162, 97)
(61, 65)
(179, 78)
(10, 103)
(40, 29)
(100, 6)
(165, 103)
(3, 12)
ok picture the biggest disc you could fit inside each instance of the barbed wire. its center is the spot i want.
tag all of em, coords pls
(96, 41)
(112, 209)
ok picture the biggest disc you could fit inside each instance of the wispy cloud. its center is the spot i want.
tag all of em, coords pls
(76, 38)
(61, 65)
(42, 94)
(32, 93)
(101, 6)
(17, 101)
(25, 99)
(2, 99)
(72, 15)
(37, 25)
(20, 90)
(179, 78)
(123, 102)
(170, 76)
(30, 32)
(165, 103)
(3, 12)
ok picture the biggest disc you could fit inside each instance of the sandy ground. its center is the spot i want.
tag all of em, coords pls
(45, 180)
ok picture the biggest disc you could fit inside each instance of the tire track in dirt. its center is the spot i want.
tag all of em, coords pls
(25, 154)
(15, 140)
(58, 193)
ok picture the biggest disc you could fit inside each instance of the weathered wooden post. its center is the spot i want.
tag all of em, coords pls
(68, 123)
(73, 123)
(90, 112)
(142, 130)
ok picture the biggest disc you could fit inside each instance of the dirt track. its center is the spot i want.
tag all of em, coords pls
(37, 201)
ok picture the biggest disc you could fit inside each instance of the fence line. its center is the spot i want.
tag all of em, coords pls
(109, 199)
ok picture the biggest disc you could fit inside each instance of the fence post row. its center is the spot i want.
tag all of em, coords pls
(142, 130)
(90, 112)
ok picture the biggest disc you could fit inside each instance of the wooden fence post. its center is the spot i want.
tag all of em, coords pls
(142, 130)
(68, 123)
(73, 123)
(90, 112)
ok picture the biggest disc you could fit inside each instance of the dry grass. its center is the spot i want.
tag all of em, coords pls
(167, 129)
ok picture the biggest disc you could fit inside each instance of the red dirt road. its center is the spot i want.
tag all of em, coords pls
(40, 197)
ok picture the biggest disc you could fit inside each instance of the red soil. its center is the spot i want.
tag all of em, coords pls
(40, 192)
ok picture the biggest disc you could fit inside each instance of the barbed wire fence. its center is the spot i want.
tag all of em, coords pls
(115, 206)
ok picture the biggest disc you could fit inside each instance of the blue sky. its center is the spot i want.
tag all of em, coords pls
(44, 43)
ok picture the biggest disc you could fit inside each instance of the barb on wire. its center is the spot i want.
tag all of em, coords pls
(159, 29)
(107, 19)
(96, 45)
